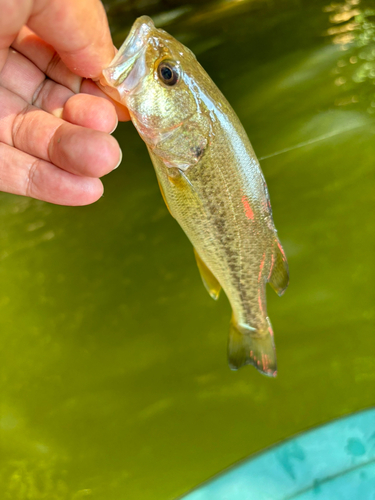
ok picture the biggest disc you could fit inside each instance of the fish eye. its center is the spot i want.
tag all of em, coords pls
(168, 73)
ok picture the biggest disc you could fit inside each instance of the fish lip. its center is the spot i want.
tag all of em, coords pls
(129, 53)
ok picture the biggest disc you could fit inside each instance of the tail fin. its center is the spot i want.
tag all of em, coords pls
(252, 347)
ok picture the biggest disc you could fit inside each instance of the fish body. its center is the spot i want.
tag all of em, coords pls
(210, 179)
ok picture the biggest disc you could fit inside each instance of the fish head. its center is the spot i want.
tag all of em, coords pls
(157, 78)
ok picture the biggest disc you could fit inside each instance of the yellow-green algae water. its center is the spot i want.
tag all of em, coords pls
(114, 379)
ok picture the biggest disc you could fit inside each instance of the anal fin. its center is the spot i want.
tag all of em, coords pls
(279, 278)
(210, 282)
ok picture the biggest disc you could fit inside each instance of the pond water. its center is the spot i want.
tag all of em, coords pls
(114, 378)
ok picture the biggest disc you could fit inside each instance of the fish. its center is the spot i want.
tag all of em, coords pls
(210, 180)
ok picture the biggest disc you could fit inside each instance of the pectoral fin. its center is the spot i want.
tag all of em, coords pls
(210, 282)
(279, 278)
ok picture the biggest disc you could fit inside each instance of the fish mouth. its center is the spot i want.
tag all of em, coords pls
(128, 66)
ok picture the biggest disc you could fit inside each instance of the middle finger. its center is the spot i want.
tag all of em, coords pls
(76, 149)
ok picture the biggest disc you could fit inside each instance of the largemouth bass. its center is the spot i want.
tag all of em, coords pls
(210, 180)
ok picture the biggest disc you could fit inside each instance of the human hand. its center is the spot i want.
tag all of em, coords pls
(54, 121)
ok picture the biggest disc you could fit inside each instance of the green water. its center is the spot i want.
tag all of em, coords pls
(114, 379)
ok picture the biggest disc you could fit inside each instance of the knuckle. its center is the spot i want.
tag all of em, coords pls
(18, 125)
(39, 93)
(30, 179)
(53, 63)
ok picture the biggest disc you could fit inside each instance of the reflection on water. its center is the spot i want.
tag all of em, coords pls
(113, 376)
(343, 16)
(34, 481)
(354, 32)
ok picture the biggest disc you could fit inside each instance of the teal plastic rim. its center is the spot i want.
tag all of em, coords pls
(335, 461)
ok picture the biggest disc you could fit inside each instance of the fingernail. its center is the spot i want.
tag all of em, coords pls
(120, 160)
(114, 128)
(58, 112)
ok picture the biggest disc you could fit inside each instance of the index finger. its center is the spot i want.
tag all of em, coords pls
(78, 31)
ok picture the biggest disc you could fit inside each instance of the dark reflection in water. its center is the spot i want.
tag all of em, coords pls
(113, 373)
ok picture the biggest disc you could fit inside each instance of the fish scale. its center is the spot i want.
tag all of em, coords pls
(210, 179)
